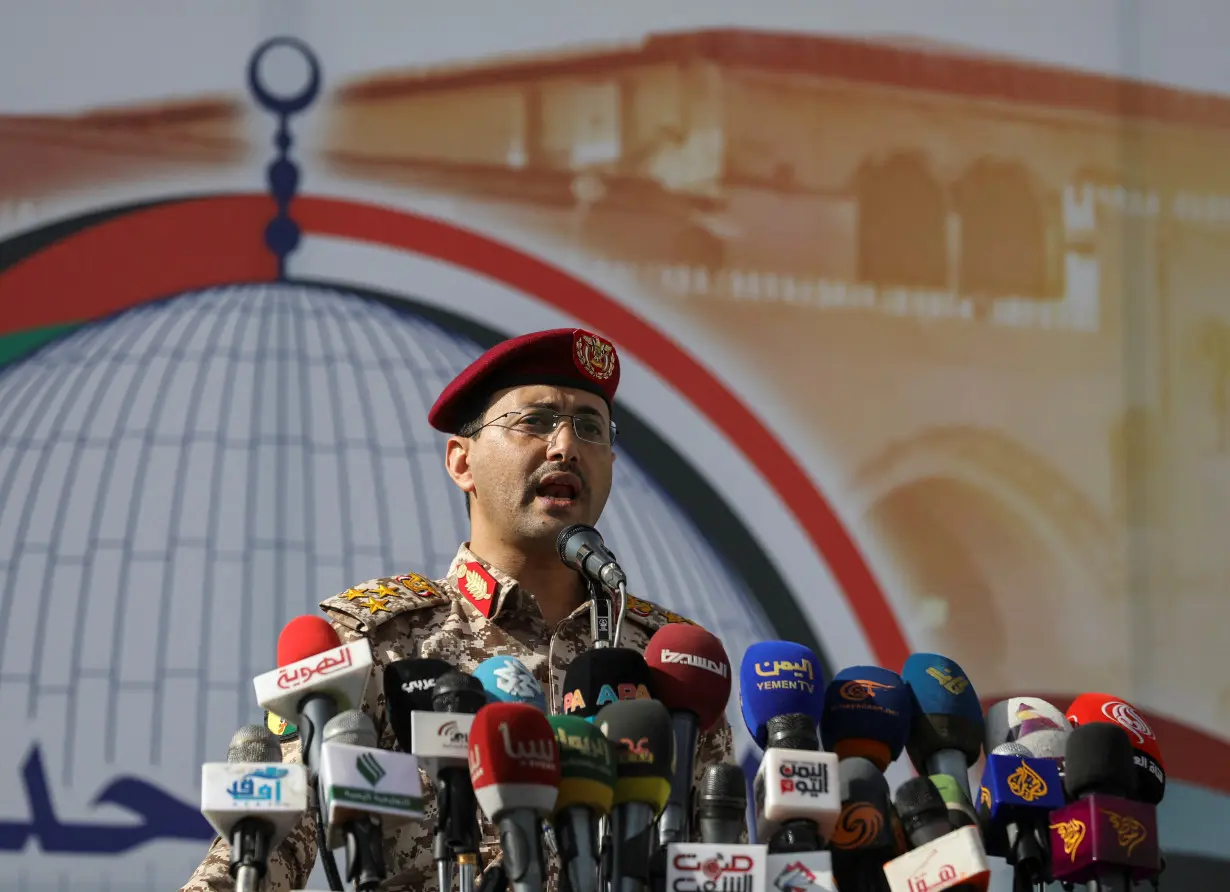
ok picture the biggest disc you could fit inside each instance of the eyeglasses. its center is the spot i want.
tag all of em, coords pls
(542, 423)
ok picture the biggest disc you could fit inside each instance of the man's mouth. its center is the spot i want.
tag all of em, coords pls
(559, 486)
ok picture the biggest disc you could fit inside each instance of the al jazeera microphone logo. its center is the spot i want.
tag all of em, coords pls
(858, 824)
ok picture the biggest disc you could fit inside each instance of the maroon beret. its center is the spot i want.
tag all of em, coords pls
(565, 357)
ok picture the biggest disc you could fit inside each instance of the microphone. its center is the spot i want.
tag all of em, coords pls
(317, 677)
(721, 803)
(507, 680)
(1103, 839)
(586, 793)
(960, 811)
(690, 675)
(364, 790)
(1150, 771)
(581, 548)
(640, 731)
(1016, 796)
(922, 810)
(867, 715)
(947, 728)
(778, 678)
(795, 789)
(600, 677)
(863, 839)
(515, 773)
(439, 740)
(1035, 724)
(954, 862)
(253, 801)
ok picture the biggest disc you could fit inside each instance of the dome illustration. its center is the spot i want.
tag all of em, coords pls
(181, 479)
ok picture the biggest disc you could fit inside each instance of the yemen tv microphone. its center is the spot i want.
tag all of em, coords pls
(867, 714)
(863, 839)
(586, 793)
(778, 678)
(1104, 838)
(253, 801)
(721, 804)
(596, 678)
(507, 680)
(364, 792)
(515, 771)
(954, 862)
(947, 729)
(1016, 796)
(317, 677)
(691, 677)
(640, 732)
(1150, 770)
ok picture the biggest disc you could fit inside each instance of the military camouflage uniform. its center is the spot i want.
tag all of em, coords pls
(408, 616)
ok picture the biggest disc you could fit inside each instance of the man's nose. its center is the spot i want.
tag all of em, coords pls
(563, 444)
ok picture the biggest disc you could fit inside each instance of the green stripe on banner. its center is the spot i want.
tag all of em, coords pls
(15, 345)
(359, 796)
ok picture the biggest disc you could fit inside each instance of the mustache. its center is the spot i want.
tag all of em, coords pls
(557, 467)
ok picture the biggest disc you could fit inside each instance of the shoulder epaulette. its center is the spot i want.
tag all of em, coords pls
(375, 602)
(648, 614)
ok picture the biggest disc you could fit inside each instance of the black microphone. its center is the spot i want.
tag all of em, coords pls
(721, 803)
(923, 811)
(581, 547)
(863, 841)
(457, 692)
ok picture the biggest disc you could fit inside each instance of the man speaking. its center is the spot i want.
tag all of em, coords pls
(531, 447)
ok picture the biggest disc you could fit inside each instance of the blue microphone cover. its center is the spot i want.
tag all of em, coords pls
(778, 678)
(947, 712)
(507, 680)
(867, 714)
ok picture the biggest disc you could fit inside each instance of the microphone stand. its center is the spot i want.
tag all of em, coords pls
(364, 855)
(601, 620)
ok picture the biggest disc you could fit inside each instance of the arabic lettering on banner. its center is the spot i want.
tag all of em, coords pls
(300, 674)
(715, 874)
(924, 881)
(162, 817)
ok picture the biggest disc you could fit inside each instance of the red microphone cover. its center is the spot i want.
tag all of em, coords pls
(1089, 708)
(690, 671)
(512, 743)
(303, 637)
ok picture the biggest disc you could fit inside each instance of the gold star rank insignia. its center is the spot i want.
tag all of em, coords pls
(351, 593)
(377, 604)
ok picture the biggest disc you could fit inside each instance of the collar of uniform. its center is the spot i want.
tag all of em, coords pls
(490, 591)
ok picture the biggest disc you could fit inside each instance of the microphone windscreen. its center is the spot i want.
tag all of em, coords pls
(778, 678)
(919, 804)
(410, 683)
(303, 637)
(644, 742)
(352, 727)
(604, 675)
(254, 743)
(867, 714)
(1150, 768)
(947, 711)
(587, 765)
(1012, 748)
(507, 680)
(722, 786)
(1046, 744)
(793, 731)
(1099, 760)
(514, 760)
(690, 671)
(1016, 717)
(459, 692)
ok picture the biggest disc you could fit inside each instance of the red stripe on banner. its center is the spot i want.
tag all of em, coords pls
(137, 257)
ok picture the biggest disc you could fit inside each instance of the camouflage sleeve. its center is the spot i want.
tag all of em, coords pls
(289, 866)
(716, 746)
